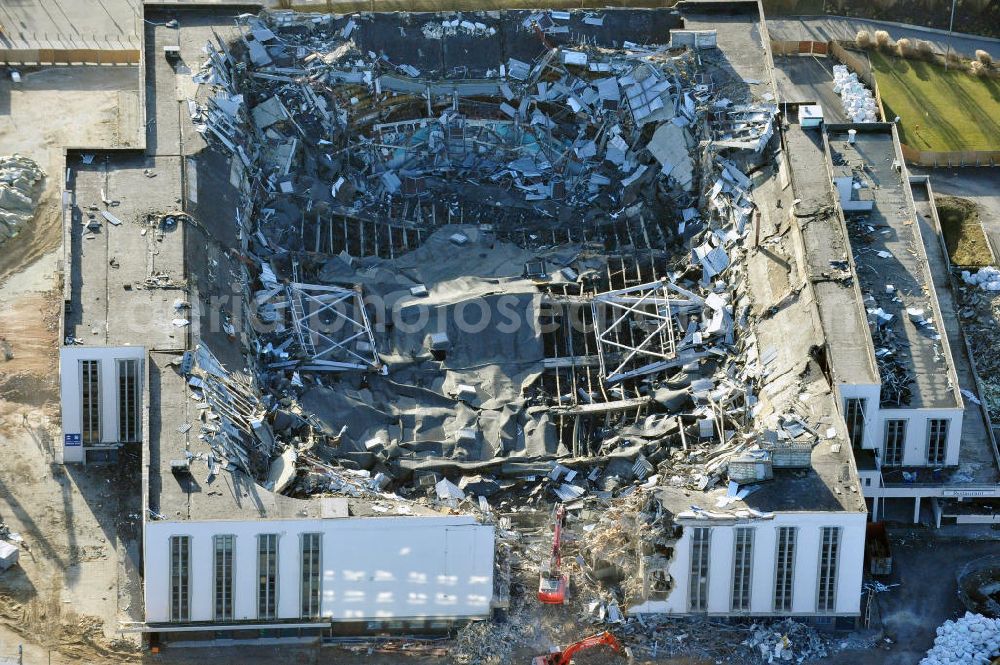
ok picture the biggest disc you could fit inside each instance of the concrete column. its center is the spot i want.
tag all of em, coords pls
(916, 510)
(874, 509)
(936, 510)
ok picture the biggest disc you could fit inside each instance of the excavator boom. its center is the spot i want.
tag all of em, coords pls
(565, 656)
(553, 583)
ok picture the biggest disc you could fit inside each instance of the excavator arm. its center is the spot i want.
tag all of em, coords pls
(565, 656)
(590, 643)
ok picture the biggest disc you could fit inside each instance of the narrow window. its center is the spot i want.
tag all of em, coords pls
(937, 440)
(128, 401)
(311, 565)
(267, 573)
(700, 540)
(180, 578)
(895, 437)
(742, 568)
(854, 417)
(223, 578)
(826, 594)
(785, 569)
(90, 402)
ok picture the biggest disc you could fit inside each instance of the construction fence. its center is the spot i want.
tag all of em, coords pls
(799, 48)
(952, 158)
(48, 56)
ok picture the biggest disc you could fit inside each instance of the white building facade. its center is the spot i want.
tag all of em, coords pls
(270, 573)
(806, 564)
(101, 399)
(901, 436)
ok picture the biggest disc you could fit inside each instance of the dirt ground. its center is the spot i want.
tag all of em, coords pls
(963, 232)
(64, 594)
(50, 109)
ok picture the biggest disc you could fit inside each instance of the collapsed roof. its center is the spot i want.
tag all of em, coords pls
(521, 279)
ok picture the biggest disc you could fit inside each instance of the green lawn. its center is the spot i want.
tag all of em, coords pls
(940, 110)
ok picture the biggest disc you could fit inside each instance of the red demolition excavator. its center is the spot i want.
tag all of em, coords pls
(553, 583)
(565, 657)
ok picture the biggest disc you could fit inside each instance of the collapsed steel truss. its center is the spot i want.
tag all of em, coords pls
(332, 328)
(647, 309)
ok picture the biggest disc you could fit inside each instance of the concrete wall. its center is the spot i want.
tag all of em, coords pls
(64, 56)
(805, 578)
(870, 393)
(71, 395)
(915, 448)
(373, 568)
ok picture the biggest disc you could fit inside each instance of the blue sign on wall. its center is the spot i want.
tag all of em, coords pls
(73, 439)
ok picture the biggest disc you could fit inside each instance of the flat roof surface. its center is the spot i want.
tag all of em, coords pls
(794, 382)
(826, 247)
(126, 277)
(740, 38)
(107, 24)
(809, 79)
(888, 250)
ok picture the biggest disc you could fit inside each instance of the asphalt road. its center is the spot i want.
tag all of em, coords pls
(826, 28)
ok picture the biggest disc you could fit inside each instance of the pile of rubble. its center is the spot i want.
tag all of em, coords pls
(857, 99)
(493, 642)
(618, 176)
(979, 310)
(20, 178)
(786, 641)
(969, 640)
(378, 166)
(580, 132)
(988, 278)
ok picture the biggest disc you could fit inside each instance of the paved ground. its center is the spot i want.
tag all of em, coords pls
(981, 184)
(97, 97)
(924, 566)
(69, 23)
(808, 79)
(825, 28)
(111, 24)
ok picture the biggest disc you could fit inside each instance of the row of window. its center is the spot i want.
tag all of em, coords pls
(310, 565)
(784, 571)
(895, 435)
(129, 400)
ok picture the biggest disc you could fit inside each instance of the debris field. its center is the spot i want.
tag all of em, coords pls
(494, 262)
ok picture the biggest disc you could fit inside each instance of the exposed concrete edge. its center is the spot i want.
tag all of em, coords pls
(143, 121)
(765, 38)
(144, 464)
(912, 206)
(842, 228)
(926, 181)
